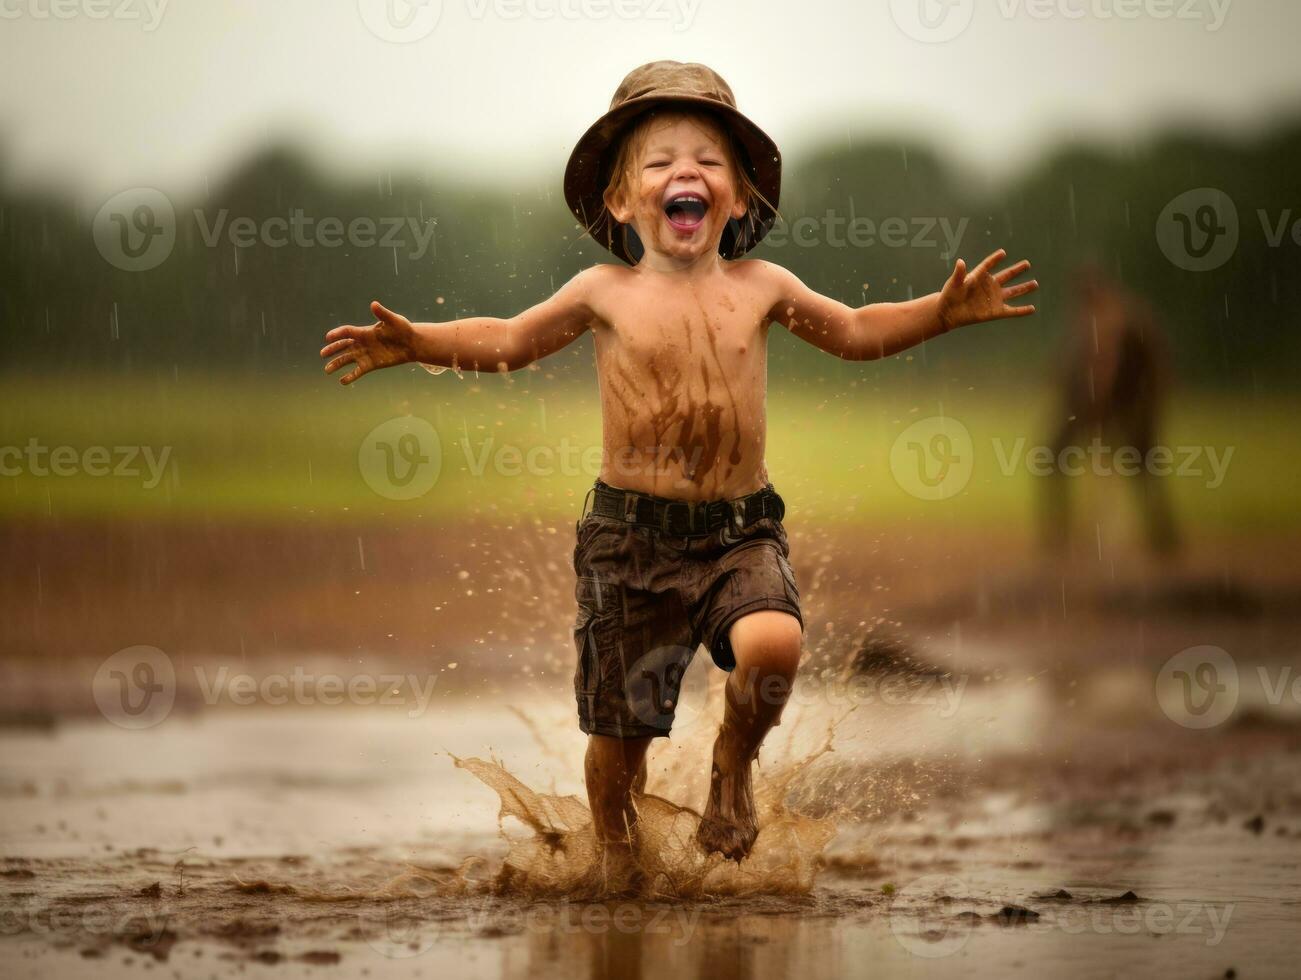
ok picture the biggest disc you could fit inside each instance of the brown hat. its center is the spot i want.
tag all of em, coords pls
(648, 87)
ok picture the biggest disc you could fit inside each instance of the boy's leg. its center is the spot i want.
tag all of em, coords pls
(766, 645)
(614, 768)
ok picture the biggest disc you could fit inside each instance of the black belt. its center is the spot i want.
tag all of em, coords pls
(685, 517)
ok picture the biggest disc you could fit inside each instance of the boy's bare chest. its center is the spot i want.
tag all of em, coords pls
(717, 333)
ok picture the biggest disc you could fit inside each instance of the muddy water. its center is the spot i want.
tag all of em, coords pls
(970, 832)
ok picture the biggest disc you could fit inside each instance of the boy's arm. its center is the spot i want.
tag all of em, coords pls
(882, 329)
(474, 343)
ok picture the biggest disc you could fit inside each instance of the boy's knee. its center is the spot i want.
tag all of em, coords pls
(767, 641)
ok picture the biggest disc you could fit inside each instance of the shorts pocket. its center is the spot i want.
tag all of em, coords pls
(595, 629)
(588, 529)
(584, 530)
(592, 595)
(587, 670)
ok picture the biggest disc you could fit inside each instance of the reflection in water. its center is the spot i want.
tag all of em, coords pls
(634, 942)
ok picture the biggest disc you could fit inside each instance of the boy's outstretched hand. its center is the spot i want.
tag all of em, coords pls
(982, 294)
(390, 341)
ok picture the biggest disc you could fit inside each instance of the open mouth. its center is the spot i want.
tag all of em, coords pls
(686, 211)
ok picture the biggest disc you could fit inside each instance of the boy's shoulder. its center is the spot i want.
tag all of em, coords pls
(756, 269)
(599, 278)
(769, 280)
(605, 272)
(589, 285)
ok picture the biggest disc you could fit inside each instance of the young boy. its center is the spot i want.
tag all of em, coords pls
(684, 543)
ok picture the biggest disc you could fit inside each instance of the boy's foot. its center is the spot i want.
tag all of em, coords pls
(730, 824)
(620, 873)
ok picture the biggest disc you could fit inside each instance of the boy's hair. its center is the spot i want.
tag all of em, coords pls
(629, 144)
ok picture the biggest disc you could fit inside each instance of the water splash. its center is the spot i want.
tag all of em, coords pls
(439, 369)
(560, 857)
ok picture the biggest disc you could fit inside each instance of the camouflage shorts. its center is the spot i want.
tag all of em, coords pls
(647, 599)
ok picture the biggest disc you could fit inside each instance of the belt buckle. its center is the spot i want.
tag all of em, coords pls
(629, 507)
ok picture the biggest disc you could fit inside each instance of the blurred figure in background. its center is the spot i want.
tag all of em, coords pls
(1115, 380)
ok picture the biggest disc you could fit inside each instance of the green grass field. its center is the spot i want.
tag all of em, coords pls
(293, 450)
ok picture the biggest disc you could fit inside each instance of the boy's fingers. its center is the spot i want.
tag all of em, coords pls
(340, 361)
(1012, 271)
(991, 260)
(959, 271)
(1018, 310)
(383, 313)
(345, 332)
(338, 345)
(1020, 289)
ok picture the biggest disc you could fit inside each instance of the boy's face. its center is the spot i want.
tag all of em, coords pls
(682, 189)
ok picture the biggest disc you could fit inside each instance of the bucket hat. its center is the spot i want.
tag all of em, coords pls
(651, 86)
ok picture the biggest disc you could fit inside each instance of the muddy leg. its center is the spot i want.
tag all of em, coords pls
(767, 649)
(614, 767)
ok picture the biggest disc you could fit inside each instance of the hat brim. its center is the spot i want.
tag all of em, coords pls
(586, 176)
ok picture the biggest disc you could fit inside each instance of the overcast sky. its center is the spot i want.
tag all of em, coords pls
(175, 92)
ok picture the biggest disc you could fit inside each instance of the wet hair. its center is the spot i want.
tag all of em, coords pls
(624, 152)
